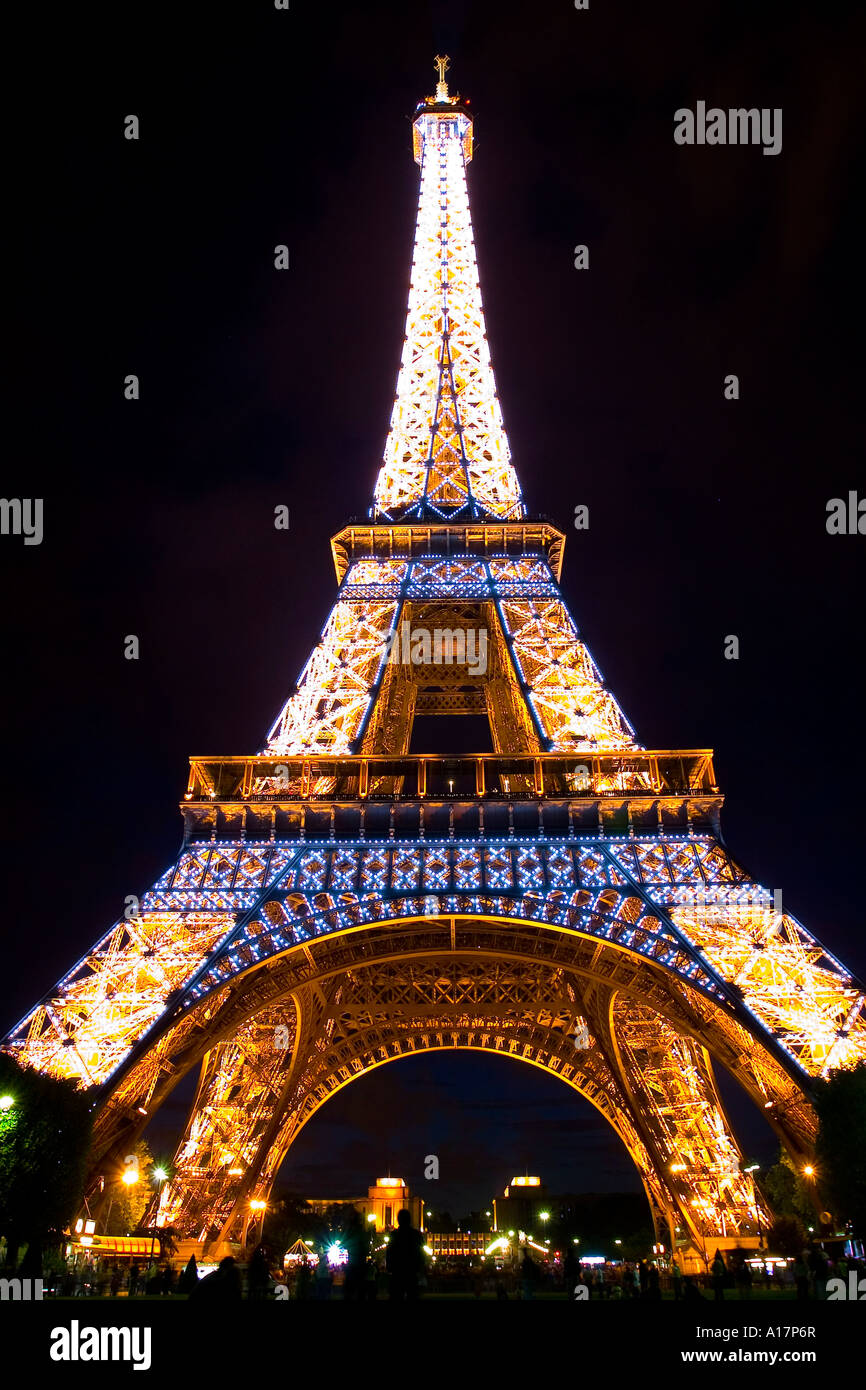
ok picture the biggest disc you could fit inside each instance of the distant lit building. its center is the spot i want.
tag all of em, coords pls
(379, 1208)
(520, 1206)
(445, 1244)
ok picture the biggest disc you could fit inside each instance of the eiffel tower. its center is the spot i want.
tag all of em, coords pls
(338, 903)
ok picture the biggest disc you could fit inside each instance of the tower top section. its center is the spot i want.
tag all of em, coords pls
(442, 116)
(446, 457)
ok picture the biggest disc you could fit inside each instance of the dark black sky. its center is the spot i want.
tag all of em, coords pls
(261, 127)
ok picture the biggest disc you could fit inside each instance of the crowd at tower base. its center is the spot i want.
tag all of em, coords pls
(376, 1247)
(406, 1273)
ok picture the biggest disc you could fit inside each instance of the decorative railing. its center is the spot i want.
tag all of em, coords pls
(418, 777)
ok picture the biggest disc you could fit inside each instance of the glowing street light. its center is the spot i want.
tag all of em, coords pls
(808, 1171)
(544, 1216)
(259, 1204)
(6, 1102)
(130, 1177)
(160, 1176)
(753, 1168)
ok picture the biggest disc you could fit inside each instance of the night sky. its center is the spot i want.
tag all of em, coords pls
(707, 516)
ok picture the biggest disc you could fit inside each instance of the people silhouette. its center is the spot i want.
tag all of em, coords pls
(404, 1258)
(356, 1243)
(258, 1275)
(528, 1275)
(189, 1278)
(221, 1286)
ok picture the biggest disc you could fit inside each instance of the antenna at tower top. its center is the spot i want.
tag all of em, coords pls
(442, 65)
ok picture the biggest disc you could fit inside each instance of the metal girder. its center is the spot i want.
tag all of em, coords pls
(669, 1080)
(446, 453)
(550, 683)
(618, 899)
(680, 902)
(653, 1084)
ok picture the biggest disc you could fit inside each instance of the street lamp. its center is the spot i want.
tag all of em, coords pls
(160, 1175)
(6, 1102)
(129, 1177)
(259, 1204)
(754, 1168)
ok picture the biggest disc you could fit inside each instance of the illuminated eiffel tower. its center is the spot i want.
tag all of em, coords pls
(339, 902)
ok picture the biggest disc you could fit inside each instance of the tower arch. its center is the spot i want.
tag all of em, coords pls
(627, 1034)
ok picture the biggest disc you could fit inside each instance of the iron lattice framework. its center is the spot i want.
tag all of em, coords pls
(340, 903)
(447, 455)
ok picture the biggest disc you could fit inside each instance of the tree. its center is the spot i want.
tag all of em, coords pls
(786, 1191)
(440, 1221)
(786, 1236)
(288, 1220)
(840, 1102)
(44, 1142)
(598, 1220)
(127, 1204)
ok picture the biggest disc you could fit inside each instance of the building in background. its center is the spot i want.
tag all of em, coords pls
(384, 1199)
(448, 1244)
(521, 1205)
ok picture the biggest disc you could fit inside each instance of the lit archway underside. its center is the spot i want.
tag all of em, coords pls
(278, 1042)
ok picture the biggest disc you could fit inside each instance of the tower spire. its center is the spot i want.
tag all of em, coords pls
(447, 487)
(442, 65)
(446, 455)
